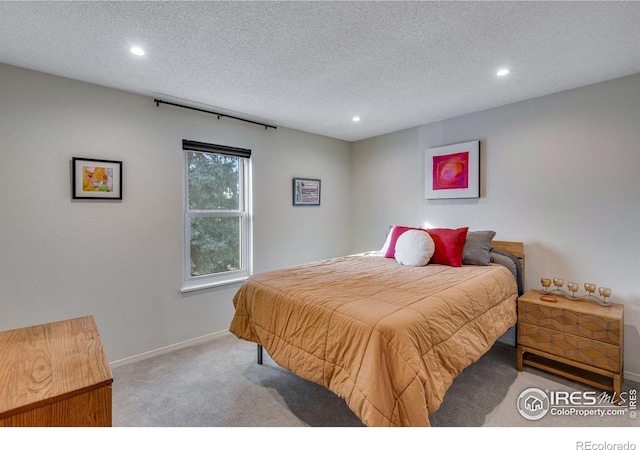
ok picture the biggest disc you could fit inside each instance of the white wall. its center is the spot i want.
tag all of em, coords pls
(560, 173)
(122, 261)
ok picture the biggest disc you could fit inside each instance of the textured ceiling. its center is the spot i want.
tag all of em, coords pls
(312, 66)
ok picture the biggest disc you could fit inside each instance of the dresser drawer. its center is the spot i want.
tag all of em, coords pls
(590, 326)
(577, 348)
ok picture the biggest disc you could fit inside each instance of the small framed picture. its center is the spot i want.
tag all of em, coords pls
(96, 179)
(306, 192)
(453, 171)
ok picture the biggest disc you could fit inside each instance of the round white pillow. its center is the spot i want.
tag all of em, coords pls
(414, 248)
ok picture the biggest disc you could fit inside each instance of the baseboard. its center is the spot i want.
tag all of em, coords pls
(632, 376)
(168, 349)
(506, 340)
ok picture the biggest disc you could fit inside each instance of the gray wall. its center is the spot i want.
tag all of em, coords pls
(122, 261)
(559, 173)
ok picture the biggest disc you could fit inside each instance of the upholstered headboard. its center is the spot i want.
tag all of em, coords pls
(511, 255)
(515, 248)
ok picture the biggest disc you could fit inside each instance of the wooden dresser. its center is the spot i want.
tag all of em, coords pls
(578, 339)
(54, 375)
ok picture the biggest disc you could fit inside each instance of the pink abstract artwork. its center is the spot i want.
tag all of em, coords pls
(451, 171)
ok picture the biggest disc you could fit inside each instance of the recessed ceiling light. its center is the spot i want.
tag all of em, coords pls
(356, 119)
(502, 72)
(136, 51)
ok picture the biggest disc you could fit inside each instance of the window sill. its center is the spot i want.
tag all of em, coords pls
(212, 284)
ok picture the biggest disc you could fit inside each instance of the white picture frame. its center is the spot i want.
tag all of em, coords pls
(453, 171)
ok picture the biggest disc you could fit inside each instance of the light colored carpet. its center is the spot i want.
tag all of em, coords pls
(219, 384)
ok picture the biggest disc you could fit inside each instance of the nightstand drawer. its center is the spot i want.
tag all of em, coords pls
(577, 348)
(590, 326)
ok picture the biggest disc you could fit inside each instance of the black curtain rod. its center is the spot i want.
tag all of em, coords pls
(214, 113)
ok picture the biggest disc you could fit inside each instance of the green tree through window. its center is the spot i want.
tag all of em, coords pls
(216, 217)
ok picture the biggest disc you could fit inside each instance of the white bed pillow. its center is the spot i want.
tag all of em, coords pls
(414, 248)
(385, 247)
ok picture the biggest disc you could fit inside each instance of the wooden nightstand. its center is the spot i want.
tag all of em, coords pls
(578, 339)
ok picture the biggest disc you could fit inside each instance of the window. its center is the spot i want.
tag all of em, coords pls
(217, 215)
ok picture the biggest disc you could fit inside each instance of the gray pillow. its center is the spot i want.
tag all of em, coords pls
(477, 248)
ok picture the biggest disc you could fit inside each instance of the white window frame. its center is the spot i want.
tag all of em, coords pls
(191, 283)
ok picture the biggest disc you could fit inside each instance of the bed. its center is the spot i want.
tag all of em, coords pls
(388, 338)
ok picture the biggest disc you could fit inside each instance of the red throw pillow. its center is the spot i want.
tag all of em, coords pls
(396, 231)
(449, 245)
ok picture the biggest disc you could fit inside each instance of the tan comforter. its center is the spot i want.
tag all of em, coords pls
(387, 338)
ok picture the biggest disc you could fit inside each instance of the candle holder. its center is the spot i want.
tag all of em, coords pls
(546, 282)
(590, 288)
(573, 288)
(605, 293)
(558, 282)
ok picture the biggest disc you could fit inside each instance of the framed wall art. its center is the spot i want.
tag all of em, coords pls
(306, 192)
(453, 171)
(96, 179)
